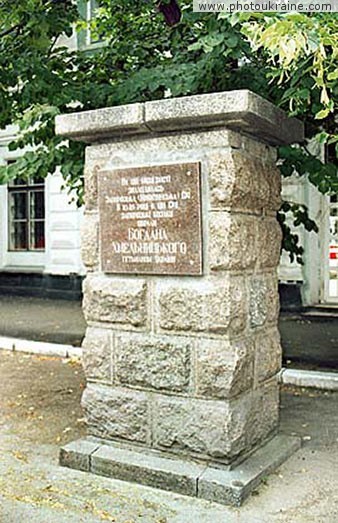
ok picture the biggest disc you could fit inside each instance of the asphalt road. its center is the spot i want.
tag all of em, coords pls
(311, 342)
(39, 319)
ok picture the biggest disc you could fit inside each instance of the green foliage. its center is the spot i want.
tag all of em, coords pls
(290, 59)
(302, 54)
(299, 216)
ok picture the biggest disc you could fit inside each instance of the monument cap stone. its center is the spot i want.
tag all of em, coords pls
(240, 110)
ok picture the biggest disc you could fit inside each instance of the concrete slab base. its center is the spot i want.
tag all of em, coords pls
(229, 487)
(310, 379)
(40, 347)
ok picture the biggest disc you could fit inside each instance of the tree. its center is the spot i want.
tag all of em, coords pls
(302, 53)
(289, 59)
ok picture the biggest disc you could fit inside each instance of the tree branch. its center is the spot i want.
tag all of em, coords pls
(11, 30)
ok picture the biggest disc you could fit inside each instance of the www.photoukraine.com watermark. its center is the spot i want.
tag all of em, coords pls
(263, 6)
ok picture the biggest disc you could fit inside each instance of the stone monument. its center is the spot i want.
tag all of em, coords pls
(181, 246)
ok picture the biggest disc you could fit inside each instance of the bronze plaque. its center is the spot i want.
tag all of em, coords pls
(150, 220)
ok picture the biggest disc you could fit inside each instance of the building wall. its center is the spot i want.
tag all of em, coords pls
(63, 223)
(311, 277)
(61, 257)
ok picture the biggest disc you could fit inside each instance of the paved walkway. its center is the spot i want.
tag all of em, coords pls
(39, 406)
(39, 319)
(310, 341)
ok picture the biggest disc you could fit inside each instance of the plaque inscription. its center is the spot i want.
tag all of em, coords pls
(150, 220)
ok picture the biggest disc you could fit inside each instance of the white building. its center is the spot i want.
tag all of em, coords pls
(40, 234)
(317, 280)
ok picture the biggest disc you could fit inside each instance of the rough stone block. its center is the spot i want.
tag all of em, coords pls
(275, 184)
(118, 301)
(147, 469)
(268, 354)
(153, 362)
(168, 146)
(116, 413)
(261, 150)
(210, 430)
(218, 306)
(269, 242)
(264, 299)
(97, 354)
(90, 174)
(90, 241)
(237, 180)
(232, 241)
(265, 412)
(217, 430)
(224, 368)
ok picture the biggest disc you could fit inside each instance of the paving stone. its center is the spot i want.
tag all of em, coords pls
(77, 454)
(147, 469)
(232, 487)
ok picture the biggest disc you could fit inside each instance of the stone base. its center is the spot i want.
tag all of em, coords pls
(229, 487)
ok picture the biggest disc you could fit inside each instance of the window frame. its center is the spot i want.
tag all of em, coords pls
(28, 188)
(84, 36)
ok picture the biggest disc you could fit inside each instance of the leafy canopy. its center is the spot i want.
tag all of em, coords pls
(290, 59)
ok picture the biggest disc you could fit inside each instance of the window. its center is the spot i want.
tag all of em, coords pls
(86, 39)
(92, 5)
(26, 215)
